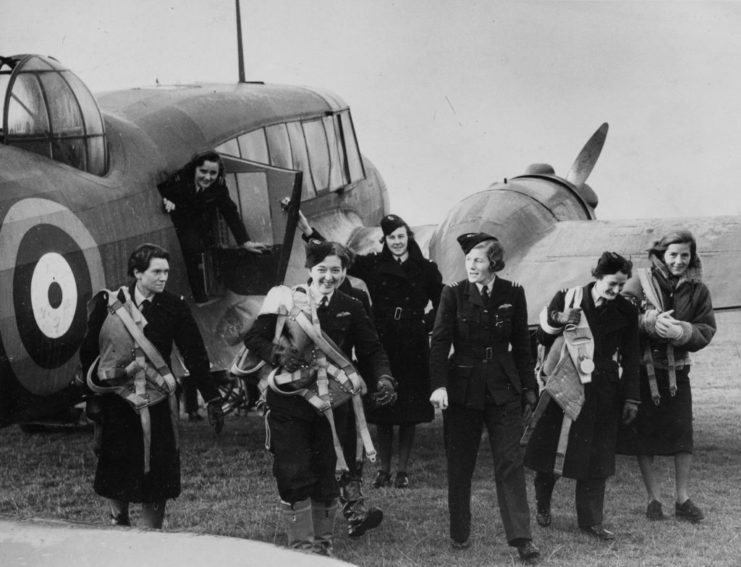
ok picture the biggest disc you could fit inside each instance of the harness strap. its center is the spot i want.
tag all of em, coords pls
(563, 441)
(651, 371)
(672, 370)
(545, 399)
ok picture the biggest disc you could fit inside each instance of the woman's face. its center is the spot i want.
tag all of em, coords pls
(478, 267)
(206, 174)
(677, 258)
(154, 278)
(327, 275)
(609, 286)
(398, 241)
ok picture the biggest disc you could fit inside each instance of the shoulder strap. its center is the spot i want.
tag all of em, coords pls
(649, 289)
(573, 297)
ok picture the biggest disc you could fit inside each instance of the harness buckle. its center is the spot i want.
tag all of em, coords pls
(488, 353)
(397, 313)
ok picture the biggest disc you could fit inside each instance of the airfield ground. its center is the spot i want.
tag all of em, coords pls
(228, 489)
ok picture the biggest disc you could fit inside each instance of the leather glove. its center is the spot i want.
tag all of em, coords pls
(439, 398)
(385, 394)
(570, 316)
(287, 358)
(529, 400)
(215, 415)
(630, 411)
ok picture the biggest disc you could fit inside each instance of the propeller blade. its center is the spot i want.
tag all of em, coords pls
(588, 156)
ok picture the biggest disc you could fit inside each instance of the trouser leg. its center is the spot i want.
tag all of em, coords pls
(590, 500)
(504, 424)
(119, 512)
(462, 432)
(544, 484)
(153, 514)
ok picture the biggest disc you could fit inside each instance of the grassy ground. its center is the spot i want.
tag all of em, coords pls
(228, 489)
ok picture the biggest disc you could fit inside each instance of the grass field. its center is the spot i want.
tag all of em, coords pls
(228, 489)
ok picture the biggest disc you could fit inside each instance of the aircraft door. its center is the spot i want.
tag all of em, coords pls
(260, 192)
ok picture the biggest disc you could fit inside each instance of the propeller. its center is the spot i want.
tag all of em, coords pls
(588, 156)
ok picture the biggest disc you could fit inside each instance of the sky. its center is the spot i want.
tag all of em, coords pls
(450, 96)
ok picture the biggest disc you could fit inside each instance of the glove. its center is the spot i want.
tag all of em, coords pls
(529, 400)
(215, 415)
(570, 316)
(667, 327)
(630, 411)
(287, 358)
(439, 398)
(385, 394)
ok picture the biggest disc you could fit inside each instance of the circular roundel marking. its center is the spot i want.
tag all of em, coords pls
(50, 266)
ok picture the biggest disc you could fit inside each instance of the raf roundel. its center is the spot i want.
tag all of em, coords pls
(49, 268)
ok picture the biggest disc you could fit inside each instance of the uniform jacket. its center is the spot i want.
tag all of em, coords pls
(591, 447)
(347, 324)
(195, 210)
(491, 343)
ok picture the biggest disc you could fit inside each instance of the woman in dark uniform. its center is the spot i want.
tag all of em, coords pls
(486, 382)
(120, 475)
(590, 452)
(301, 438)
(402, 283)
(682, 322)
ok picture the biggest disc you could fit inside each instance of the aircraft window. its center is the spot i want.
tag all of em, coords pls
(38, 64)
(254, 147)
(337, 178)
(316, 144)
(96, 155)
(280, 146)
(230, 148)
(71, 151)
(93, 120)
(66, 117)
(301, 158)
(26, 111)
(354, 161)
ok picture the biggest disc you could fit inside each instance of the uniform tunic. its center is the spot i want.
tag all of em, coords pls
(591, 447)
(666, 429)
(304, 464)
(485, 377)
(120, 471)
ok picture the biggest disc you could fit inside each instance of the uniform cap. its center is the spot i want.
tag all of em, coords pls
(471, 239)
(390, 223)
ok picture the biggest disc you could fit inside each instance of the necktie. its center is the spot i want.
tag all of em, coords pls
(145, 307)
(485, 294)
(323, 303)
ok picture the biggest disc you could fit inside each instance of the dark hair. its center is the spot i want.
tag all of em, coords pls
(317, 252)
(612, 263)
(494, 252)
(680, 236)
(142, 257)
(199, 159)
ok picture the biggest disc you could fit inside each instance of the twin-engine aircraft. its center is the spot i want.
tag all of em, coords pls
(78, 192)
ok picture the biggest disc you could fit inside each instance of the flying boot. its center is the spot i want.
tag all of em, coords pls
(323, 515)
(360, 518)
(299, 524)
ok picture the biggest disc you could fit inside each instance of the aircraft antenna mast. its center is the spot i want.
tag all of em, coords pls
(240, 51)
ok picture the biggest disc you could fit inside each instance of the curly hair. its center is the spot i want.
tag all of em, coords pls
(494, 252)
(680, 236)
(142, 256)
(612, 263)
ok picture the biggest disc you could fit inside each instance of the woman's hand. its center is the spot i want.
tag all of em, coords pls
(630, 411)
(569, 316)
(667, 327)
(169, 205)
(255, 247)
(439, 398)
(303, 225)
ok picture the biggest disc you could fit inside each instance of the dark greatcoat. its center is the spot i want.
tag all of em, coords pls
(120, 470)
(403, 291)
(591, 448)
(304, 464)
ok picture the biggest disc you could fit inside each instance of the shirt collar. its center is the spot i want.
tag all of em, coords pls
(138, 297)
(317, 297)
(596, 297)
(489, 285)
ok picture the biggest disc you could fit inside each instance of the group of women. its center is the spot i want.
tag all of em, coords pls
(616, 377)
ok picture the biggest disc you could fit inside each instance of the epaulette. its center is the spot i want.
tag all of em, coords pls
(454, 284)
(516, 284)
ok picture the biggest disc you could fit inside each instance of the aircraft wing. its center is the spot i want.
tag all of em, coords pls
(565, 256)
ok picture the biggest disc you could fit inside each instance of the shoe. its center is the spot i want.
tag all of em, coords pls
(688, 512)
(382, 479)
(528, 551)
(402, 480)
(358, 525)
(599, 532)
(543, 517)
(654, 511)
(459, 545)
